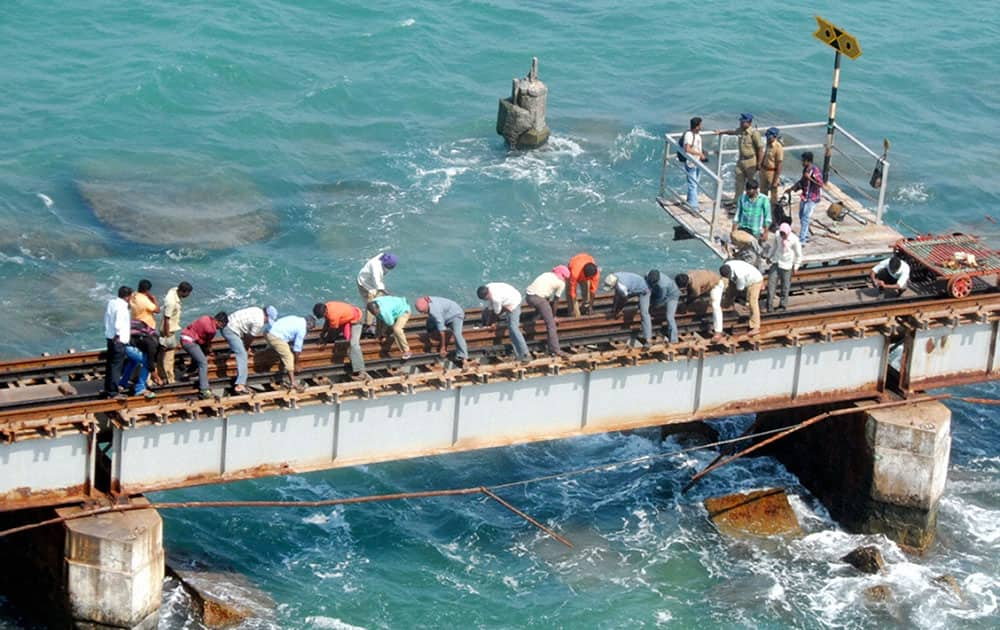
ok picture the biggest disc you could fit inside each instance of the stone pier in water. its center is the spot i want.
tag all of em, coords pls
(521, 118)
(881, 471)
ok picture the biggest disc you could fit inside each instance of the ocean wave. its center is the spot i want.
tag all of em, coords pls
(913, 193)
(330, 623)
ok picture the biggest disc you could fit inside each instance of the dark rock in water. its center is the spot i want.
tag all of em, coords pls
(224, 599)
(949, 583)
(758, 513)
(178, 207)
(878, 593)
(702, 431)
(866, 559)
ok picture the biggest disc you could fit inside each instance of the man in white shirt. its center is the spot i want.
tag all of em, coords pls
(243, 326)
(542, 295)
(371, 282)
(785, 253)
(691, 143)
(743, 276)
(503, 298)
(892, 274)
(117, 332)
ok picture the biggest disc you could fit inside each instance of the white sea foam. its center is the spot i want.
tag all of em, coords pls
(18, 260)
(331, 623)
(45, 199)
(982, 523)
(914, 193)
(626, 144)
(663, 617)
(408, 22)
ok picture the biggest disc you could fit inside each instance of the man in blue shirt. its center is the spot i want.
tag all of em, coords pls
(286, 336)
(625, 285)
(665, 293)
(443, 314)
(392, 311)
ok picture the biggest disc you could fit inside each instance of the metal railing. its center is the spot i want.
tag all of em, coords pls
(721, 152)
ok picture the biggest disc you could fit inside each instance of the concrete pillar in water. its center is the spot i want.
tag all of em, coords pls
(521, 118)
(113, 569)
(910, 449)
(878, 472)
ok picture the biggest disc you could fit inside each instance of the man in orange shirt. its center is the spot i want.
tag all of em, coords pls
(346, 318)
(583, 271)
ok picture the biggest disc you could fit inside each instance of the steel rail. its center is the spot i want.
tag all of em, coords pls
(88, 365)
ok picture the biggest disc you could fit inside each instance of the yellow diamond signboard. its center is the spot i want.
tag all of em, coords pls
(837, 38)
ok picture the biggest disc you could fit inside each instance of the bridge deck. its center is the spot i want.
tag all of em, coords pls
(834, 345)
(830, 240)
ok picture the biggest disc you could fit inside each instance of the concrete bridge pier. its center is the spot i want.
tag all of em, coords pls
(878, 472)
(91, 573)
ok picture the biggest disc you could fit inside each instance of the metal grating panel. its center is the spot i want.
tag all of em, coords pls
(933, 252)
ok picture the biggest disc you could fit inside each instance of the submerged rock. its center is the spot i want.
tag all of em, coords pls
(177, 207)
(224, 599)
(949, 583)
(878, 593)
(759, 513)
(866, 559)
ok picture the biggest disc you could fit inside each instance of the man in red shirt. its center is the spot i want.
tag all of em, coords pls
(196, 339)
(583, 271)
(346, 319)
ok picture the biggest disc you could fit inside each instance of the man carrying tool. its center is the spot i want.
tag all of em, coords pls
(892, 274)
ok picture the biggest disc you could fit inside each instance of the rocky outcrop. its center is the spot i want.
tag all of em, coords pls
(758, 513)
(866, 559)
(521, 118)
(223, 599)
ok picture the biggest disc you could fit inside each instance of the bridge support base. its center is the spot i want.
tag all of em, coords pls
(97, 572)
(878, 472)
(113, 569)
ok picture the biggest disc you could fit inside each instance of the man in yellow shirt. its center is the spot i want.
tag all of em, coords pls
(170, 327)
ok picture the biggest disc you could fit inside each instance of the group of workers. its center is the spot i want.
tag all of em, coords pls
(758, 170)
(141, 351)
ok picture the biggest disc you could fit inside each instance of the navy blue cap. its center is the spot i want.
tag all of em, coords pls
(746, 117)
(771, 131)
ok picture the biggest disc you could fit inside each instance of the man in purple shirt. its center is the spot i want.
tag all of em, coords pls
(810, 184)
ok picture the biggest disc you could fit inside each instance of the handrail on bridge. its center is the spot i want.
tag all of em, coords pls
(672, 145)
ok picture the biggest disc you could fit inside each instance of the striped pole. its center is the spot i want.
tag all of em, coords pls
(828, 151)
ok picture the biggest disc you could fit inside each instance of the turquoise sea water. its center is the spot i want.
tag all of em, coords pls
(355, 128)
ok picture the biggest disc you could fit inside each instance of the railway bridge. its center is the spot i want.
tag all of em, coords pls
(840, 344)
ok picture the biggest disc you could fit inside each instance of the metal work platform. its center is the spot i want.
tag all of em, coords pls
(861, 234)
(834, 345)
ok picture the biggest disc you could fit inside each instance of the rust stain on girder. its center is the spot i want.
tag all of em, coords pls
(22, 498)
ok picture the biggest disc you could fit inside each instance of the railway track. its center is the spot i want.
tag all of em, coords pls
(323, 364)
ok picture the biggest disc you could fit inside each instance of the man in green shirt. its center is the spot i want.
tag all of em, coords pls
(753, 217)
